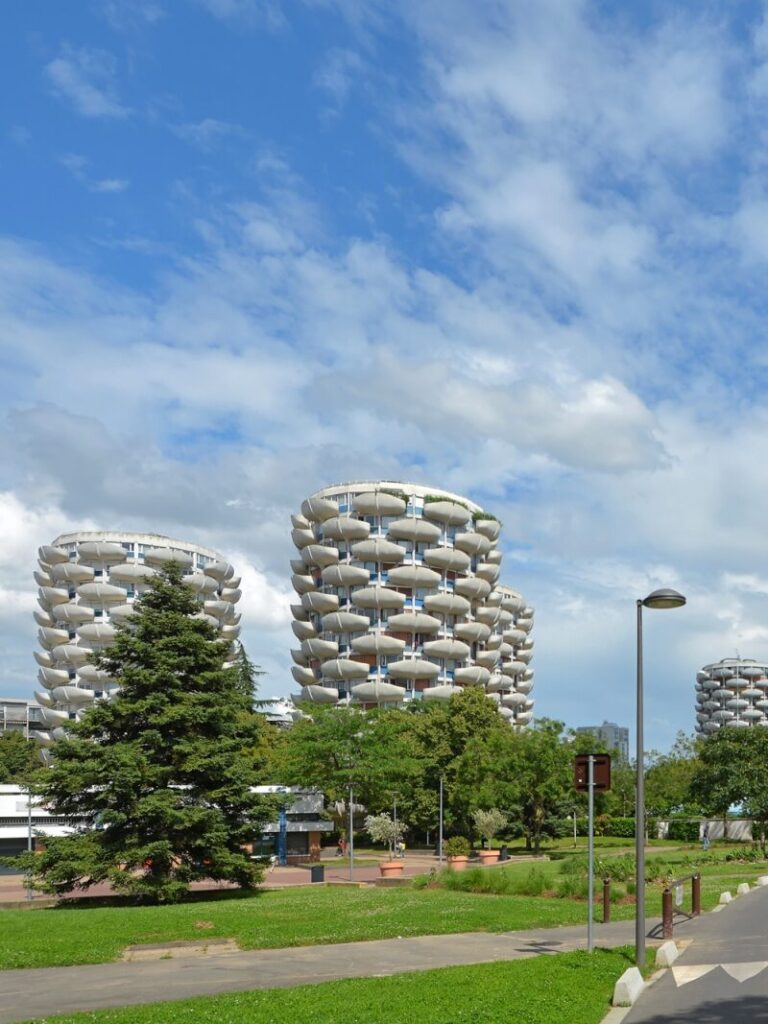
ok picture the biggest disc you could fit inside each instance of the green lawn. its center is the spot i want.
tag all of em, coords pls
(288, 917)
(571, 988)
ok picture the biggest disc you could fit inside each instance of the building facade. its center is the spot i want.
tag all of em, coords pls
(88, 583)
(399, 599)
(732, 692)
(22, 716)
(615, 737)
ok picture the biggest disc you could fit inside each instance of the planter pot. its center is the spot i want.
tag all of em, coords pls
(488, 856)
(391, 868)
(458, 863)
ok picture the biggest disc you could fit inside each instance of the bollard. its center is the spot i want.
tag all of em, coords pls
(696, 895)
(606, 900)
(666, 914)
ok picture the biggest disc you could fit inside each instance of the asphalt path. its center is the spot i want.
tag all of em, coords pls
(722, 977)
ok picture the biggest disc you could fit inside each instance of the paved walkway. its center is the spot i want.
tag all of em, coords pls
(43, 992)
(722, 978)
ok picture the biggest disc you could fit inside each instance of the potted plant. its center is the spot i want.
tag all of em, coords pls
(382, 829)
(457, 852)
(489, 824)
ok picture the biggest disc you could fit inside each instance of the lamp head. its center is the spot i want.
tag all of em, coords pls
(664, 598)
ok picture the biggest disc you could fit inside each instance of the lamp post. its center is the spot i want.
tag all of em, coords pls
(440, 834)
(658, 599)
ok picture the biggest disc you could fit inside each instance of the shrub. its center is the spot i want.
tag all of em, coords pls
(457, 846)
(489, 823)
(382, 829)
(620, 828)
(684, 831)
(478, 516)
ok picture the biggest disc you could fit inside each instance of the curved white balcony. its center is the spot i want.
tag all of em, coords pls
(525, 624)
(320, 694)
(43, 579)
(50, 555)
(752, 693)
(528, 674)
(723, 694)
(320, 555)
(72, 572)
(43, 658)
(416, 669)
(344, 668)
(495, 557)
(446, 647)
(420, 530)
(378, 597)
(50, 596)
(345, 528)
(218, 570)
(753, 715)
(123, 613)
(473, 588)
(379, 691)
(710, 727)
(472, 632)
(496, 682)
(50, 637)
(414, 576)
(507, 713)
(753, 672)
(472, 543)
(101, 551)
(377, 643)
(378, 549)
(303, 675)
(487, 614)
(50, 677)
(514, 603)
(203, 616)
(737, 704)
(96, 677)
(722, 673)
(447, 512)
(303, 584)
(97, 633)
(43, 698)
(303, 538)
(442, 692)
(53, 717)
(73, 613)
(231, 594)
(345, 622)
(523, 717)
(446, 604)
(447, 559)
(300, 658)
(488, 659)
(524, 655)
(217, 608)
(471, 675)
(320, 603)
(513, 700)
(303, 630)
(738, 683)
(701, 676)
(488, 571)
(321, 649)
(199, 582)
(506, 650)
(71, 654)
(711, 705)
(229, 632)
(513, 668)
(137, 573)
(515, 636)
(300, 522)
(524, 685)
(413, 622)
(101, 593)
(73, 695)
(494, 642)
(490, 528)
(344, 575)
(317, 510)
(160, 556)
(299, 612)
(377, 503)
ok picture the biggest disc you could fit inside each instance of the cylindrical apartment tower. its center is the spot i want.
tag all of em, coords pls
(88, 583)
(399, 600)
(731, 692)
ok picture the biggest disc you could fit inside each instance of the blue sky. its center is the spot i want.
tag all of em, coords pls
(251, 248)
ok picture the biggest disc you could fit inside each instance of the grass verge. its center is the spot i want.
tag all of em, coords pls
(570, 988)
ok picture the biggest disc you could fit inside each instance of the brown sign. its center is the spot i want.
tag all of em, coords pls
(601, 772)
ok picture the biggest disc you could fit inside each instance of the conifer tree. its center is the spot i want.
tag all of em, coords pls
(161, 772)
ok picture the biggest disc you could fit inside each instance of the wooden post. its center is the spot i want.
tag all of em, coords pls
(666, 913)
(606, 900)
(696, 895)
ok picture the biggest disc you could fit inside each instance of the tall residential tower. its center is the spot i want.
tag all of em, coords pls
(399, 600)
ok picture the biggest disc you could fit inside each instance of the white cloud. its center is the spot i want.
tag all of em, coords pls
(207, 133)
(77, 165)
(85, 78)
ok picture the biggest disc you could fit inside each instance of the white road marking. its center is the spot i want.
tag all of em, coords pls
(743, 972)
(739, 972)
(684, 975)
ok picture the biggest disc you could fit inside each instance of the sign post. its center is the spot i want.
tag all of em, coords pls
(591, 772)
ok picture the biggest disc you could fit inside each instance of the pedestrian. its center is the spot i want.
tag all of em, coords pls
(705, 838)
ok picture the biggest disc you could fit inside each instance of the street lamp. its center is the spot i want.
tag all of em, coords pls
(658, 599)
